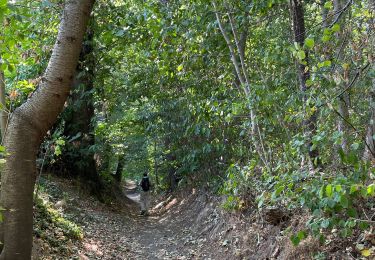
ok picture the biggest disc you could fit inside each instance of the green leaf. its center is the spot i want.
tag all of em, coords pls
(309, 42)
(371, 190)
(301, 235)
(309, 82)
(354, 146)
(344, 202)
(180, 67)
(279, 190)
(3, 3)
(295, 240)
(301, 55)
(364, 192)
(325, 223)
(363, 225)
(353, 188)
(352, 213)
(328, 5)
(335, 27)
(338, 188)
(326, 38)
(321, 192)
(327, 63)
(329, 190)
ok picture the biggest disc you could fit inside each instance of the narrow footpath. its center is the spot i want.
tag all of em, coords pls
(120, 234)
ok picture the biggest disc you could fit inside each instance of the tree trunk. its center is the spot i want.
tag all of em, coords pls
(29, 124)
(79, 161)
(3, 108)
(303, 75)
(237, 53)
(120, 168)
(370, 142)
(342, 125)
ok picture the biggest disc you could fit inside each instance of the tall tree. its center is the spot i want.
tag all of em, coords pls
(370, 136)
(237, 50)
(299, 30)
(29, 124)
(3, 108)
(344, 98)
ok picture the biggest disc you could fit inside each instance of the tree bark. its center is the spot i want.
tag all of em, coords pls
(370, 142)
(342, 125)
(303, 75)
(120, 168)
(3, 108)
(29, 124)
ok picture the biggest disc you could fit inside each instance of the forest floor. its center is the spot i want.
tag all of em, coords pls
(187, 225)
(175, 229)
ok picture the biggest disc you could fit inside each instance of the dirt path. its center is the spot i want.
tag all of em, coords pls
(125, 235)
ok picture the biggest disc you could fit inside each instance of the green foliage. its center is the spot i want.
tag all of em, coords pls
(167, 100)
(51, 217)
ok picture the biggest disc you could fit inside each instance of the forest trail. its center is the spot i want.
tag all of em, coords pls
(126, 235)
(118, 232)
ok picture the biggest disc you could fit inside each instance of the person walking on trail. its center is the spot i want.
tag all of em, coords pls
(145, 194)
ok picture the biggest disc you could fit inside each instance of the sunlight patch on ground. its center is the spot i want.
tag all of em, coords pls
(93, 247)
(171, 204)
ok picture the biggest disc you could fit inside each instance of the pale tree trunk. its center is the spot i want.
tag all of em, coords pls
(29, 124)
(3, 108)
(310, 124)
(237, 55)
(342, 124)
(370, 142)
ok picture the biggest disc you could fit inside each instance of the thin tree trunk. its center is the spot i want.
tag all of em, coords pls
(237, 52)
(156, 164)
(303, 75)
(119, 168)
(342, 125)
(3, 108)
(370, 142)
(29, 124)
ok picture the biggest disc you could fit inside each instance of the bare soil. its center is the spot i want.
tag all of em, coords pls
(187, 225)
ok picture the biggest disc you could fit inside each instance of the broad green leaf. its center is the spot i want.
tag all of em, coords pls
(344, 201)
(295, 240)
(301, 55)
(371, 189)
(301, 235)
(328, 5)
(352, 213)
(329, 190)
(309, 42)
(326, 38)
(309, 82)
